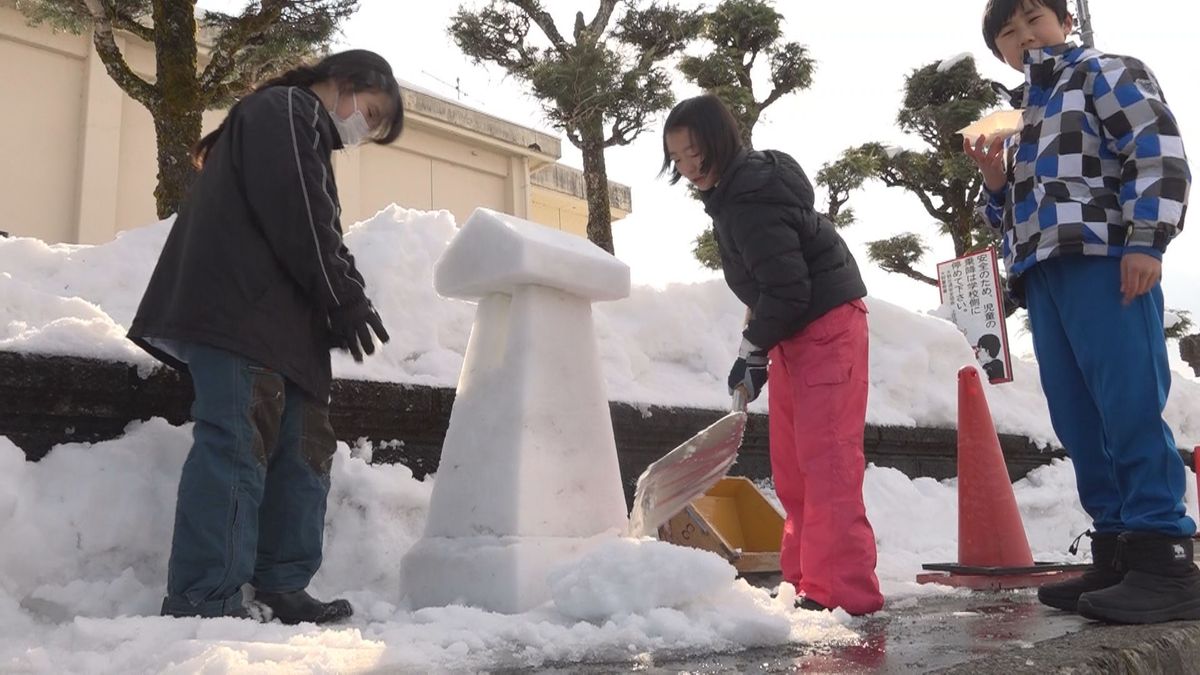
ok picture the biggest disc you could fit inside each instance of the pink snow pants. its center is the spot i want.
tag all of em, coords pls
(818, 408)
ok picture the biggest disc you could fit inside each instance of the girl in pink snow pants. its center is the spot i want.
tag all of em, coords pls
(806, 330)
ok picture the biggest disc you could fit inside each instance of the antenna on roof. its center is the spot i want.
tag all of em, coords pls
(1085, 23)
(457, 86)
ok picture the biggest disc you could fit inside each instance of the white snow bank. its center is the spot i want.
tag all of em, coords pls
(668, 347)
(87, 533)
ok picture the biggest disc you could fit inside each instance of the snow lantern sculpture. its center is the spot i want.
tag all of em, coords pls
(528, 475)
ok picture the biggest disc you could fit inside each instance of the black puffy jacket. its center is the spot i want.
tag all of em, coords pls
(255, 261)
(781, 258)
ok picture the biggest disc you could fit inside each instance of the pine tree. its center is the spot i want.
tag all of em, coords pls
(600, 85)
(267, 37)
(739, 33)
(939, 99)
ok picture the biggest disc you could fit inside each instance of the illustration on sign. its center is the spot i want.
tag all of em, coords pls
(970, 288)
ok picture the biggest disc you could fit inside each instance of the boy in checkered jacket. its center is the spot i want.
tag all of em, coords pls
(1087, 198)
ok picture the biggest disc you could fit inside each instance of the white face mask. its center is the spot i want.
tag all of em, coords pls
(353, 130)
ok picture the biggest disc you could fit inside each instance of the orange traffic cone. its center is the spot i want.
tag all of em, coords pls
(993, 552)
(990, 533)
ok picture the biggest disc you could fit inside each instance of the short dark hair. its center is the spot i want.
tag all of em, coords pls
(989, 343)
(714, 131)
(999, 12)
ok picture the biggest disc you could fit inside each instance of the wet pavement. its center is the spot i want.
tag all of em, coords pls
(967, 633)
(918, 635)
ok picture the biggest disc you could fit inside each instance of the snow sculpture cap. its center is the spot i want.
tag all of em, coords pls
(495, 253)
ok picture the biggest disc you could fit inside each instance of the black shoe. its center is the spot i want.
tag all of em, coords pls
(811, 605)
(1064, 595)
(299, 607)
(1161, 583)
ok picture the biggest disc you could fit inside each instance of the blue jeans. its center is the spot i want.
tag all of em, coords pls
(252, 496)
(1105, 374)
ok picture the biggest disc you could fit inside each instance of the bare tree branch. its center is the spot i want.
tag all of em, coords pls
(914, 274)
(224, 52)
(533, 8)
(893, 178)
(621, 130)
(603, 15)
(129, 23)
(114, 61)
(775, 95)
(753, 59)
(230, 89)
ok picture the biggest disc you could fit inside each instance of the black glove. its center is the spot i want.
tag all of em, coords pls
(351, 326)
(749, 371)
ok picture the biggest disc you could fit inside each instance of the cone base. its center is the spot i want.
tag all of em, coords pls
(999, 578)
(998, 570)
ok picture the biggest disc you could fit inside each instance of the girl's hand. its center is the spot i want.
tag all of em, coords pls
(990, 161)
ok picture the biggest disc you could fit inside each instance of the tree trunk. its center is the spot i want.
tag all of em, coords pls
(747, 130)
(960, 234)
(177, 122)
(595, 178)
(1189, 350)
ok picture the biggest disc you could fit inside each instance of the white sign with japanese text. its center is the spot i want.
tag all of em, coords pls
(970, 288)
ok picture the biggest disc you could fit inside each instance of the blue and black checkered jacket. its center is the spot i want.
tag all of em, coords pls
(1098, 168)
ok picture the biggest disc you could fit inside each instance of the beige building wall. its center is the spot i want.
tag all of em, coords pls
(558, 199)
(41, 77)
(80, 163)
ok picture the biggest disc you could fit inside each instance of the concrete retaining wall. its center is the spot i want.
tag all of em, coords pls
(47, 400)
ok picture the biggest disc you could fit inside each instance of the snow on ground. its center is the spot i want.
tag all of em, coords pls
(87, 530)
(87, 533)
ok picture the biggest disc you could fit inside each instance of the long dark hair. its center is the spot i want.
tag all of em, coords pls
(714, 133)
(361, 69)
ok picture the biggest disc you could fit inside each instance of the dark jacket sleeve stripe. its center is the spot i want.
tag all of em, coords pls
(328, 259)
(340, 253)
(286, 184)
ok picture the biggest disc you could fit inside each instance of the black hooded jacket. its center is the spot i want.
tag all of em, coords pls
(255, 262)
(781, 258)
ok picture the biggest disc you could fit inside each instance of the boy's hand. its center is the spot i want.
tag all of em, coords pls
(990, 161)
(1139, 273)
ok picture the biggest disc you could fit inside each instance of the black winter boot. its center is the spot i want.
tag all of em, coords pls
(1161, 582)
(811, 605)
(299, 606)
(1064, 595)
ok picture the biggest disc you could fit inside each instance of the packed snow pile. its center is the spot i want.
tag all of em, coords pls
(87, 530)
(670, 347)
(87, 533)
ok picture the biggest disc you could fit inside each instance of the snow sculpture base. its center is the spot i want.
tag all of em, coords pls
(528, 475)
(502, 574)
